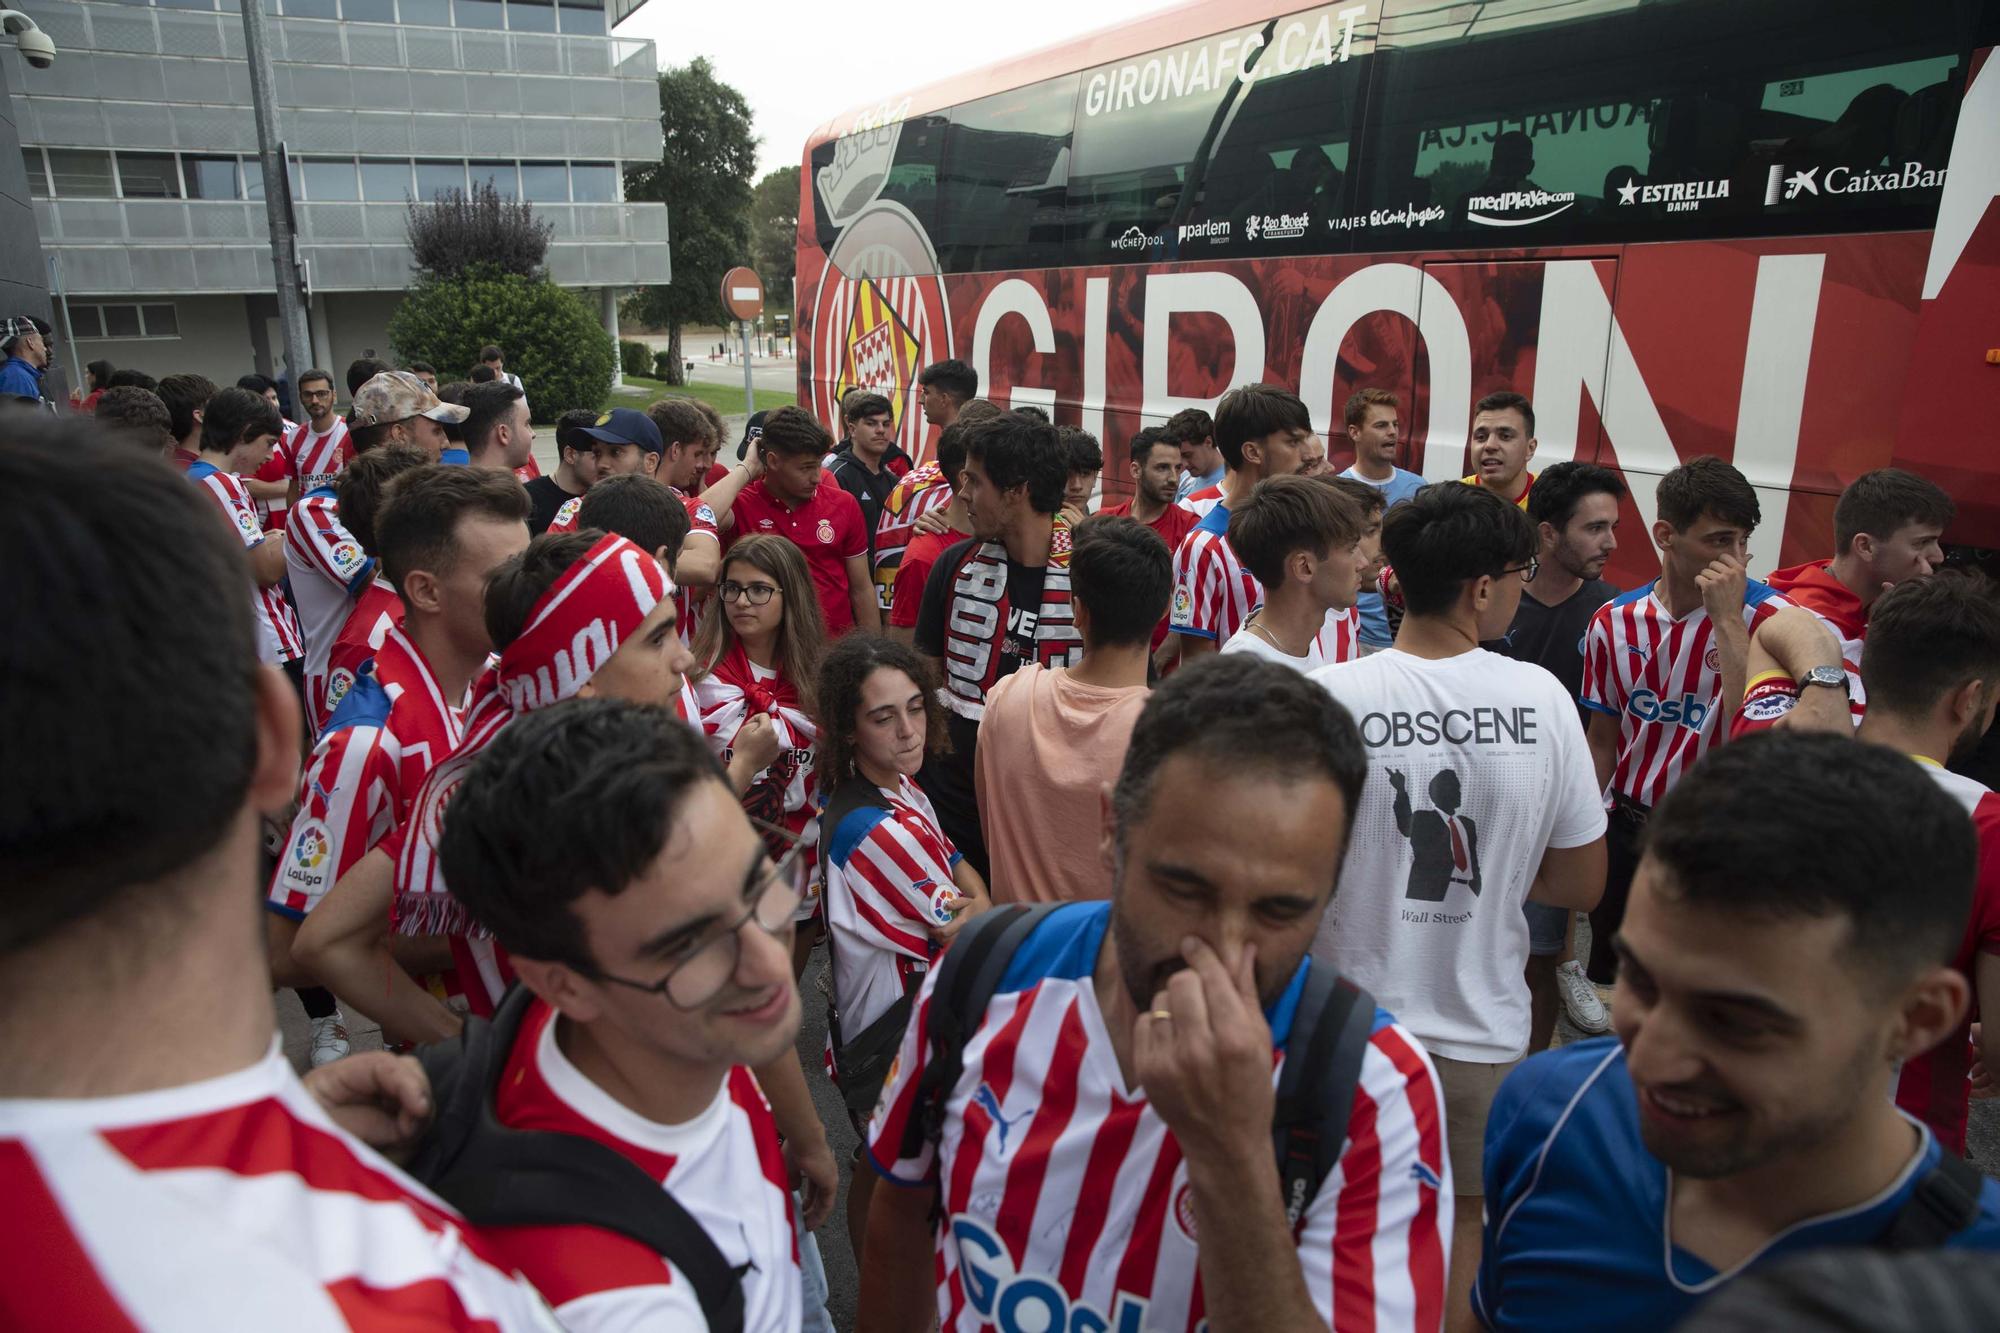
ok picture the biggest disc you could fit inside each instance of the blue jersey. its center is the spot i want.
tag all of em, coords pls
(1576, 1207)
(1374, 616)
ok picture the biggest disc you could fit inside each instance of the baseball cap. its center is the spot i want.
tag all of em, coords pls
(627, 425)
(18, 327)
(753, 430)
(397, 395)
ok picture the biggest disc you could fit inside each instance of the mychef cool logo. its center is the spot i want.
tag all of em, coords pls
(1030, 1303)
(1211, 231)
(1687, 711)
(1135, 239)
(1789, 184)
(1539, 205)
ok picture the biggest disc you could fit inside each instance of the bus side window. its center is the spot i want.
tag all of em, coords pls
(1006, 168)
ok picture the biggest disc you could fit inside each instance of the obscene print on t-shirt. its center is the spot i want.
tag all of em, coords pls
(1429, 828)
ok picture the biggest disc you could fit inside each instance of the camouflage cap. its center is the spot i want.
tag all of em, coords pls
(397, 395)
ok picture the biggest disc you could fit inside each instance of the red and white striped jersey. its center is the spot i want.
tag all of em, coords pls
(231, 1203)
(377, 611)
(278, 467)
(1662, 679)
(1203, 500)
(701, 522)
(888, 881)
(724, 1166)
(316, 460)
(1339, 639)
(1814, 587)
(1213, 593)
(1065, 1196)
(915, 494)
(277, 629)
(392, 727)
(327, 570)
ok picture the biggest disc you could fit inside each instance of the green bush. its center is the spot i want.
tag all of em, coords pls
(635, 358)
(552, 340)
(663, 363)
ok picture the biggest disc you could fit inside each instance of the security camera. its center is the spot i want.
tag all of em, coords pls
(35, 46)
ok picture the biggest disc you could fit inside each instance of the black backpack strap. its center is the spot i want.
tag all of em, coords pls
(968, 974)
(1323, 1053)
(501, 1177)
(1944, 1203)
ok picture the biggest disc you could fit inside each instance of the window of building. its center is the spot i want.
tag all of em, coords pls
(329, 179)
(186, 4)
(211, 178)
(368, 11)
(531, 15)
(385, 182)
(1006, 166)
(485, 14)
(436, 178)
(583, 18)
(38, 173)
(426, 13)
(505, 178)
(594, 183)
(148, 176)
(311, 9)
(545, 182)
(123, 320)
(83, 173)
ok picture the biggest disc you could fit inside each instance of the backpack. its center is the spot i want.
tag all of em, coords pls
(1323, 1051)
(502, 1177)
(1944, 1203)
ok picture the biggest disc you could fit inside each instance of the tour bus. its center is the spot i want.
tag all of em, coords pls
(1751, 228)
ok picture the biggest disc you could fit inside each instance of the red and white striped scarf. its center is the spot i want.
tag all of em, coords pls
(728, 696)
(573, 630)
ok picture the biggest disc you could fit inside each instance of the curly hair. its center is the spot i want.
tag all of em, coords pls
(802, 631)
(842, 672)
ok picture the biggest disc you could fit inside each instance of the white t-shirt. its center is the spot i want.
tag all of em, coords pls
(1494, 770)
(1247, 640)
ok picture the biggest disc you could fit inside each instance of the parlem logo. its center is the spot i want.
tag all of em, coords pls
(1214, 230)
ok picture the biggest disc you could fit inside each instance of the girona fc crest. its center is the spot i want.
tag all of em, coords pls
(880, 318)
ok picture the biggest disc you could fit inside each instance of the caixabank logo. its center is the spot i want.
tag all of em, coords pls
(1790, 185)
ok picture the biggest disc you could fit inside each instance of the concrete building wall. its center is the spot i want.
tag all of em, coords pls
(214, 341)
(357, 322)
(24, 288)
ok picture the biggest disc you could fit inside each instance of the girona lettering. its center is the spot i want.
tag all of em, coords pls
(1687, 711)
(1030, 1303)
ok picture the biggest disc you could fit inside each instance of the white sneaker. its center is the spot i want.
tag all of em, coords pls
(329, 1039)
(1581, 1001)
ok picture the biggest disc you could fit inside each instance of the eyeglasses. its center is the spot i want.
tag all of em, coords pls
(754, 593)
(704, 973)
(1527, 571)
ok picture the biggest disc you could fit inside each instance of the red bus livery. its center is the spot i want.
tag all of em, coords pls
(1759, 230)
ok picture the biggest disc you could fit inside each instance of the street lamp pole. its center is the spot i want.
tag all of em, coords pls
(277, 194)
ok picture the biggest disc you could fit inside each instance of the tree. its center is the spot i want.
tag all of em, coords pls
(704, 179)
(553, 341)
(774, 233)
(458, 231)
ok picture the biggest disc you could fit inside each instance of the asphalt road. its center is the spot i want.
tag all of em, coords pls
(842, 1279)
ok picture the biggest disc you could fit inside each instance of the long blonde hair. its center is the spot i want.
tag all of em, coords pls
(801, 632)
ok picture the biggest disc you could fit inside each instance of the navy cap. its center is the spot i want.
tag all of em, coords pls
(753, 430)
(627, 425)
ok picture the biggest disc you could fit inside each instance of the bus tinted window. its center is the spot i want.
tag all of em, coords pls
(1669, 120)
(1006, 166)
(897, 161)
(1257, 117)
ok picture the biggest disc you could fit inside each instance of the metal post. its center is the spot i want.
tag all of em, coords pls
(61, 290)
(277, 195)
(749, 394)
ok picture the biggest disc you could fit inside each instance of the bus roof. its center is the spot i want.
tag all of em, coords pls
(1118, 41)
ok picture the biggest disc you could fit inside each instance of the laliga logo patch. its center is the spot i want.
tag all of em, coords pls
(247, 521)
(347, 555)
(337, 686)
(311, 847)
(825, 532)
(941, 896)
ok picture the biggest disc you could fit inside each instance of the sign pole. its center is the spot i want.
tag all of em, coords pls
(749, 394)
(743, 297)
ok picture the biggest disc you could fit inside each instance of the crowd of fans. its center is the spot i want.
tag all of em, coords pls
(1203, 878)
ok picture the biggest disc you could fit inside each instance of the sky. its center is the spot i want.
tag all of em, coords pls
(799, 64)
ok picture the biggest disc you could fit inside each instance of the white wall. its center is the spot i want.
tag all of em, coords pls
(214, 340)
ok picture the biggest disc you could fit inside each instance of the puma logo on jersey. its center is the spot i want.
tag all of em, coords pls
(983, 1097)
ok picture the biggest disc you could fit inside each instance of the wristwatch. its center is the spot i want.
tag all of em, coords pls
(1831, 677)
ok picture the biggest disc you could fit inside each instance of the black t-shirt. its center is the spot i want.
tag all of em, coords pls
(544, 499)
(1552, 636)
(947, 778)
(869, 489)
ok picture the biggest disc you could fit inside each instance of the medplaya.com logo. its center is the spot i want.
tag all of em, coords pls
(1518, 208)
